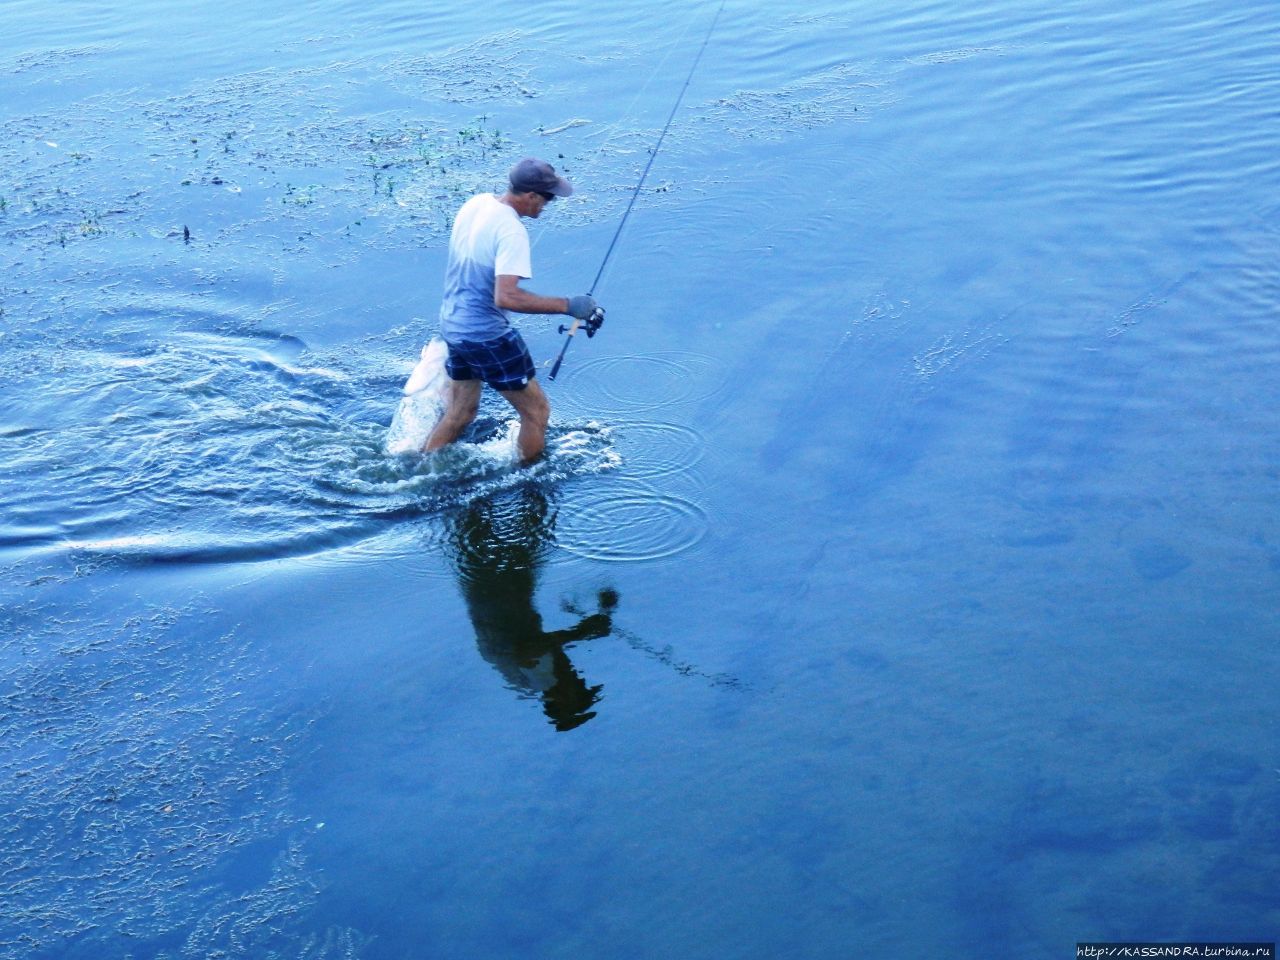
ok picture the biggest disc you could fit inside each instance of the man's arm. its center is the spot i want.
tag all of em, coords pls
(508, 295)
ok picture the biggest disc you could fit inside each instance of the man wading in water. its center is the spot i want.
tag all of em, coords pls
(488, 257)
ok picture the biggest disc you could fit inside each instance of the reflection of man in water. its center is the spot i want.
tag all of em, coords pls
(499, 543)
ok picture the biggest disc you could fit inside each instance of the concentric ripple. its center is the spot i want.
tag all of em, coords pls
(637, 384)
(630, 523)
(650, 449)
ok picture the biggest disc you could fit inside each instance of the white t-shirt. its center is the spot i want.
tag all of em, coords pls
(488, 239)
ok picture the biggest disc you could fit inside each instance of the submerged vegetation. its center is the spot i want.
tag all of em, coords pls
(438, 165)
(415, 174)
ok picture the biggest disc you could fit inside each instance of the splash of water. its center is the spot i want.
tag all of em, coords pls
(209, 445)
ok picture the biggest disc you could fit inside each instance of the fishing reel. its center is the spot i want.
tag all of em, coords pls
(592, 323)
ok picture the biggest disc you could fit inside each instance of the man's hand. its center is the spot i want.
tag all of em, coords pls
(582, 306)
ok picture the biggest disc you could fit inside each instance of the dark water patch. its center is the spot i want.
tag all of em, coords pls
(858, 421)
(1037, 539)
(1240, 877)
(1068, 432)
(1242, 883)
(1156, 560)
(14, 533)
(1267, 549)
(1084, 817)
(17, 432)
(1207, 817)
(866, 660)
(1212, 769)
(1225, 802)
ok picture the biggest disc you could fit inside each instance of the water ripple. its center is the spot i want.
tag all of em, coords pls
(233, 447)
(629, 523)
(639, 383)
(652, 449)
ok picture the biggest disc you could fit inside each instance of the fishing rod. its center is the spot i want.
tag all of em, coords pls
(593, 322)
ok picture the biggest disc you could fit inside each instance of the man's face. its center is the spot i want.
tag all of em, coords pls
(540, 201)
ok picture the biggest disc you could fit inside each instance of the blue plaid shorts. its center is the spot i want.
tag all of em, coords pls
(504, 363)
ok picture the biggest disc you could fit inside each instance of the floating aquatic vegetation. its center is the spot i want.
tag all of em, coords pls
(489, 70)
(58, 58)
(952, 349)
(283, 145)
(270, 921)
(851, 91)
(133, 770)
(957, 55)
(844, 92)
(562, 127)
(397, 180)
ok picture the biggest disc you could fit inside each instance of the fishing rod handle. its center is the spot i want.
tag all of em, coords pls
(573, 328)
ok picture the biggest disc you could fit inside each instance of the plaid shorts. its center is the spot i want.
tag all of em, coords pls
(503, 364)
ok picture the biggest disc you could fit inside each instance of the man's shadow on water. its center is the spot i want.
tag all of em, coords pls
(499, 543)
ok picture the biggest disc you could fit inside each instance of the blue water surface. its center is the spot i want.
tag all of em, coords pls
(902, 580)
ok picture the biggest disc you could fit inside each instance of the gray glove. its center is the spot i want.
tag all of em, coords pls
(581, 307)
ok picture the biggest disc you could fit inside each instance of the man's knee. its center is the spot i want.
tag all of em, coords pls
(531, 404)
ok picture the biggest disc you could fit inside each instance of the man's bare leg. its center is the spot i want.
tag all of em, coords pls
(464, 401)
(535, 411)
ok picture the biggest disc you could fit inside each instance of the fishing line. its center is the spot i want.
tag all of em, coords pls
(594, 321)
(614, 130)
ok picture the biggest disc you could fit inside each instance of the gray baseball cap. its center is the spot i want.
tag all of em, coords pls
(538, 175)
